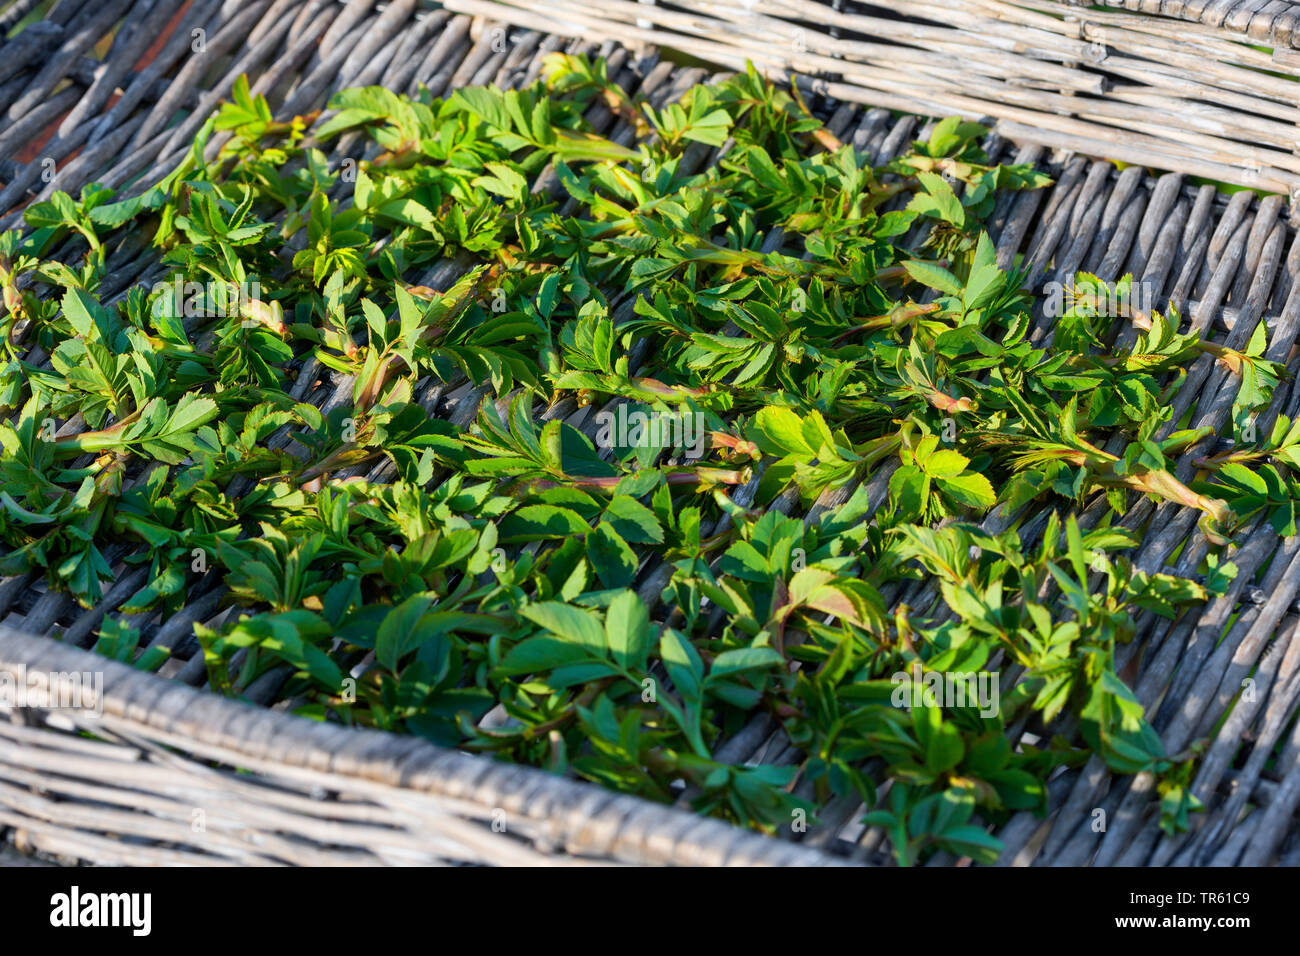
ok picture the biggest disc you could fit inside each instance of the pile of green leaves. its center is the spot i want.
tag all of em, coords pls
(618, 611)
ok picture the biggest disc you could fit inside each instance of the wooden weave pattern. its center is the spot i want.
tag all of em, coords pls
(1227, 261)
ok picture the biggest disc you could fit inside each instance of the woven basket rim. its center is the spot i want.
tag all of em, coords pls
(216, 725)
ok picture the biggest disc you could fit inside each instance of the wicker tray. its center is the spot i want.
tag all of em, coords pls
(308, 792)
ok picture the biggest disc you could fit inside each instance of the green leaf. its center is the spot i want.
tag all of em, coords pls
(541, 654)
(400, 633)
(627, 631)
(744, 659)
(945, 749)
(933, 276)
(615, 563)
(633, 521)
(970, 489)
(571, 623)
